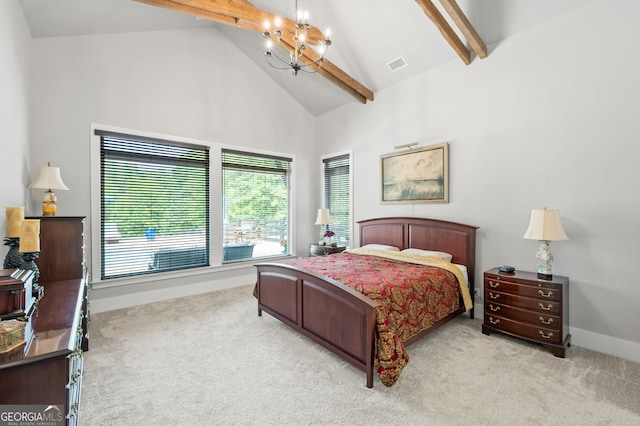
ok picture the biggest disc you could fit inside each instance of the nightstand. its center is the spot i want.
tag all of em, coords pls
(318, 250)
(522, 305)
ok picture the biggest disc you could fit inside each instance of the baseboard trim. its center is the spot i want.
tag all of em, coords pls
(589, 340)
(142, 298)
(605, 344)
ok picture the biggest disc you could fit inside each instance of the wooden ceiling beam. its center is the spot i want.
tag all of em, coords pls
(190, 10)
(334, 74)
(465, 27)
(445, 29)
(242, 14)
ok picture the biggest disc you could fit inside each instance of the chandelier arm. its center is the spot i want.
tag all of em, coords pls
(285, 65)
(275, 54)
(309, 70)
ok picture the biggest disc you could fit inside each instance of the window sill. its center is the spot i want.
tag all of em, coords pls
(161, 276)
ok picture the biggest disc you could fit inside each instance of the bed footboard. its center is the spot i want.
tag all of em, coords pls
(328, 312)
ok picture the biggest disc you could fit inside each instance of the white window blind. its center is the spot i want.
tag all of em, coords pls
(255, 205)
(154, 205)
(337, 196)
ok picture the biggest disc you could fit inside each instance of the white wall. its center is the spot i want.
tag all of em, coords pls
(548, 119)
(191, 84)
(14, 121)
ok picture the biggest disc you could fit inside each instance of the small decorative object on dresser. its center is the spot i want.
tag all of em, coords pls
(328, 237)
(17, 297)
(322, 250)
(522, 305)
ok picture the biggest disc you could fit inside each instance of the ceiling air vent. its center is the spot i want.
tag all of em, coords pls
(397, 64)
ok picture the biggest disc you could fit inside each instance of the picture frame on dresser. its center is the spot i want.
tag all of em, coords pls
(416, 175)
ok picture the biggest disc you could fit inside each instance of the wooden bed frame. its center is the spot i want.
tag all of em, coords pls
(342, 319)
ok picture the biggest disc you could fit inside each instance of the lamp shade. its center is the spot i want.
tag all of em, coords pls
(545, 225)
(48, 178)
(323, 217)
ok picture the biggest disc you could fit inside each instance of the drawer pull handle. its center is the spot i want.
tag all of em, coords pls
(544, 321)
(494, 308)
(494, 296)
(546, 336)
(494, 321)
(542, 293)
(494, 285)
(546, 308)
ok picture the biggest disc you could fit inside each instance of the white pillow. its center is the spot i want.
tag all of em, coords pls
(464, 271)
(380, 247)
(440, 254)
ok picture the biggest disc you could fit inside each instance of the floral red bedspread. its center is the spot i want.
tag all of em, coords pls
(412, 296)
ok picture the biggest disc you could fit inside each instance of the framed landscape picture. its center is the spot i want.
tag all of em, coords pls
(416, 175)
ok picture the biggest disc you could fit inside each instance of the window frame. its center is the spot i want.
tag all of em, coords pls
(215, 209)
(289, 174)
(323, 190)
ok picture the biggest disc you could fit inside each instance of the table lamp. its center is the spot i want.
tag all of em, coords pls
(323, 219)
(545, 226)
(48, 178)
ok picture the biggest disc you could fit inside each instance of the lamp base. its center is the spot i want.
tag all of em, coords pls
(544, 259)
(49, 204)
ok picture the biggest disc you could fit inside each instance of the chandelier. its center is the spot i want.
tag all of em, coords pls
(294, 43)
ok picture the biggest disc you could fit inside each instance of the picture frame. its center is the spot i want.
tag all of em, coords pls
(416, 175)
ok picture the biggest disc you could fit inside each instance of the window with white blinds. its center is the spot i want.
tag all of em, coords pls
(255, 205)
(336, 173)
(154, 198)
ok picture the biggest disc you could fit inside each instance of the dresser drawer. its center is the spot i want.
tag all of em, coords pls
(544, 306)
(552, 322)
(543, 291)
(532, 332)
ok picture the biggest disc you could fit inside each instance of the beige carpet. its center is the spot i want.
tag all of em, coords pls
(211, 360)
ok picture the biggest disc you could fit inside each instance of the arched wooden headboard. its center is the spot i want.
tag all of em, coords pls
(429, 234)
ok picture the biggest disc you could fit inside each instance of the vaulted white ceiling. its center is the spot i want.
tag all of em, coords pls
(366, 34)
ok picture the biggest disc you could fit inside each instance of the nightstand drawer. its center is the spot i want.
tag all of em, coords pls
(544, 306)
(552, 322)
(539, 334)
(549, 292)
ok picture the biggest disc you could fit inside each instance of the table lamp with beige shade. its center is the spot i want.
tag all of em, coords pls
(49, 178)
(545, 226)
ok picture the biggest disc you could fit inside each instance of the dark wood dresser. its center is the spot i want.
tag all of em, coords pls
(521, 304)
(63, 256)
(50, 370)
(62, 248)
